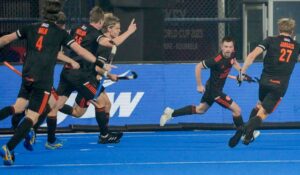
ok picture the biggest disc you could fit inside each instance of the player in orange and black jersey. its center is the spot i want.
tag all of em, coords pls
(279, 62)
(220, 67)
(44, 41)
(111, 36)
(81, 80)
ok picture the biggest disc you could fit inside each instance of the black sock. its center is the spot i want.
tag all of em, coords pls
(20, 133)
(253, 113)
(254, 123)
(6, 111)
(41, 118)
(51, 123)
(67, 109)
(102, 120)
(16, 118)
(187, 110)
(238, 122)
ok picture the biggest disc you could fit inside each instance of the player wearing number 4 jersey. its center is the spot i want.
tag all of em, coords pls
(279, 62)
(44, 41)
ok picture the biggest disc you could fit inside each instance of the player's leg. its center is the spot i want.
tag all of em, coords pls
(17, 108)
(239, 124)
(64, 90)
(269, 104)
(20, 106)
(205, 104)
(37, 104)
(51, 120)
(31, 136)
(102, 108)
(19, 111)
(262, 92)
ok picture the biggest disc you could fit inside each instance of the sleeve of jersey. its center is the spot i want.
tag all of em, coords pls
(22, 33)
(264, 44)
(68, 40)
(99, 37)
(208, 63)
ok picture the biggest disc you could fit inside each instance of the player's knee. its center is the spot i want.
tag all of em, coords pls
(18, 109)
(77, 113)
(200, 110)
(108, 104)
(33, 116)
(263, 113)
(237, 111)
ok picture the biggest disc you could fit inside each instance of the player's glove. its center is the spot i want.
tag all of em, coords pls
(99, 63)
(240, 78)
(248, 78)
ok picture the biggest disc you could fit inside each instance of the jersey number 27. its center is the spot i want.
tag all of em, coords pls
(285, 55)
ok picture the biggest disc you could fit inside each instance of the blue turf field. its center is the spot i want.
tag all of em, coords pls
(194, 152)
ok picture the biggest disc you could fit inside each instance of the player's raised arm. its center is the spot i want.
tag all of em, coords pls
(113, 23)
(6, 39)
(251, 57)
(237, 65)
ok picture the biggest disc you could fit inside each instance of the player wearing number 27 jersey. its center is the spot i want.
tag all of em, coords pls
(279, 62)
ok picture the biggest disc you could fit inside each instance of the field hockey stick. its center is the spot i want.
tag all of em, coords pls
(111, 58)
(132, 75)
(11, 67)
(247, 78)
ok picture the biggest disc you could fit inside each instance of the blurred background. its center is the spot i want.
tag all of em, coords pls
(168, 30)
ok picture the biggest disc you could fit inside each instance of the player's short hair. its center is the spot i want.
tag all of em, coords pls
(61, 18)
(51, 9)
(96, 15)
(228, 39)
(286, 25)
(109, 21)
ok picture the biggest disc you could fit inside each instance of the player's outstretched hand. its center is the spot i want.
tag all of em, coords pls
(132, 26)
(201, 89)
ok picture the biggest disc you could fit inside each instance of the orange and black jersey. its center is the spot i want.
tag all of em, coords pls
(281, 57)
(44, 41)
(87, 36)
(219, 70)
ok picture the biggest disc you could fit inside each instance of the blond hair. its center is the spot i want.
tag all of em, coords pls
(96, 15)
(109, 21)
(286, 25)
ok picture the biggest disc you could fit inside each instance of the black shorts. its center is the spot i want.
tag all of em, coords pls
(82, 102)
(271, 92)
(86, 86)
(37, 98)
(211, 96)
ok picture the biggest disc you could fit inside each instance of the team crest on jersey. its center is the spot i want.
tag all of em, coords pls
(45, 25)
(84, 27)
(287, 39)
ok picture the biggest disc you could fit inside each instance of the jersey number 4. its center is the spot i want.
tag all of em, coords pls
(39, 43)
(78, 39)
(285, 55)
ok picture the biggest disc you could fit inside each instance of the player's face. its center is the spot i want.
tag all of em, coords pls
(115, 30)
(227, 49)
